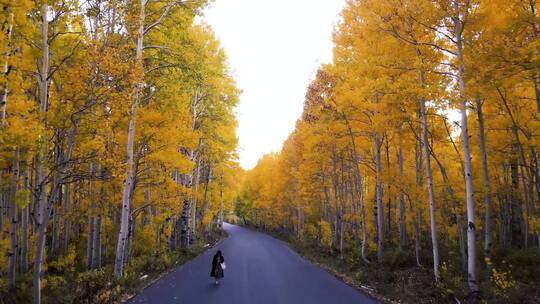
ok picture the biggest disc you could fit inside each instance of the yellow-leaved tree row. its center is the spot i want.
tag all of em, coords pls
(420, 137)
(117, 141)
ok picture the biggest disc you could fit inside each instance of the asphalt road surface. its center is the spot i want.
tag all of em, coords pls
(260, 270)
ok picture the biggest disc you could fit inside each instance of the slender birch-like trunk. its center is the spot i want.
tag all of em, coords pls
(341, 239)
(388, 220)
(455, 204)
(96, 243)
(361, 202)
(172, 237)
(42, 211)
(336, 199)
(13, 214)
(25, 219)
(378, 198)
(144, 216)
(363, 221)
(471, 229)
(220, 217)
(515, 218)
(418, 213)
(342, 196)
(130, 174)
(205, 194)
(96, 238)
(184, 224)
(401, 202)
(54, 199)
(195, 195)
(326, 214)
(91, 225)
(485, 179)
(5, 70)
(429, 178)
(528, 190)
(360, 189)
(431, 199)
(527, 198)
(12, 254)
(55, 229)
(67, 223)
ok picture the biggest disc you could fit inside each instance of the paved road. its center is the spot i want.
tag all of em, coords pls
(260, 270)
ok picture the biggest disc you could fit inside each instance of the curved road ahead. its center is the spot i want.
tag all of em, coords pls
(260, 270)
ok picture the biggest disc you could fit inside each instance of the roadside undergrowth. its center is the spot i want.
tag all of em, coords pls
(515, 279)
(67, 282)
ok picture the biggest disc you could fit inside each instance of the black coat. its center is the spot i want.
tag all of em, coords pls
(217, 271)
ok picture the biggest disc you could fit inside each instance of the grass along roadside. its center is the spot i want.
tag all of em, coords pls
(400, 280)
(193, 252)
(65, 282)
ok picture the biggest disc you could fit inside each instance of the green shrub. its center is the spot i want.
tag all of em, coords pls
(397, 258)
(97, 287)
(524, 264)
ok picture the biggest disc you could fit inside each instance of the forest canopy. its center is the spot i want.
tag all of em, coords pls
(117, 142)
(377, 171)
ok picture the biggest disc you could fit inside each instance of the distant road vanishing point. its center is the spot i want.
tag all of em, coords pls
(260, 270)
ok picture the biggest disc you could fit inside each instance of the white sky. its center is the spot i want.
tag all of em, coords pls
(274, 49)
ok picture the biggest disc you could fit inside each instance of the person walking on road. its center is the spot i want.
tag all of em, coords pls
(218, 265)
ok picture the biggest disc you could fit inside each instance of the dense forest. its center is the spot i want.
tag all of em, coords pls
(380, 174)
(117, 144)
(413, 172)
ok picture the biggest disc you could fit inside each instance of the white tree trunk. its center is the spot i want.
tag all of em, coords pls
(5, 69)
(195, 195)
(42, 210)
(429, 178)
(378, 198)
(341, 238)
(187, 233)
(13, 214)
(220, 218)
(471, 238)
(485, 179)
(129, 177)
(145, 212)
(40, 248)
(96, 243)
(455, 204)
(205, 202)
(401, 208)
(91, 225)
(55, 229)
(418, 213)
(335, 192)
(431, 199)
(184, 224)
(25, 219)
(360, 190)
(363, 249)
(67, 223)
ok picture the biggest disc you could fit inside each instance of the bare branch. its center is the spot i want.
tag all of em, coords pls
(164, 14)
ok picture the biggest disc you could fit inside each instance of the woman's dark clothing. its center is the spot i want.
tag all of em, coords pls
(217, 271)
